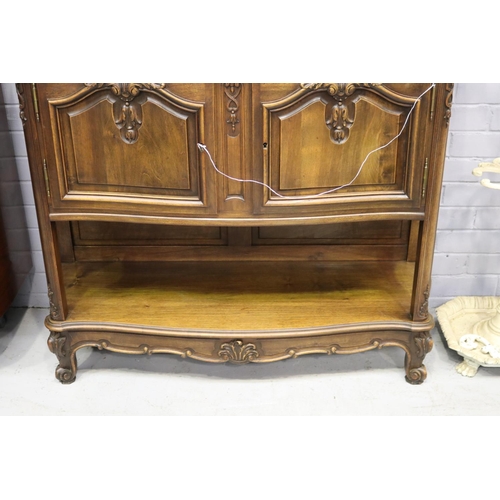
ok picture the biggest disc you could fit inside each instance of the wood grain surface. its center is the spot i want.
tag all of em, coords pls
(236, 296)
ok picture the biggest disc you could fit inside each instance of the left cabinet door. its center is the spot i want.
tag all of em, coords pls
(128, 148)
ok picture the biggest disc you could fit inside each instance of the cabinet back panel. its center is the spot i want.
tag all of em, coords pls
(121, 234)
(380, 240)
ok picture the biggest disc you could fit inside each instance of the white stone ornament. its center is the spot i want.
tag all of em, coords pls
(470, 342)
(471, 325)
(488, 167)
(467, 368)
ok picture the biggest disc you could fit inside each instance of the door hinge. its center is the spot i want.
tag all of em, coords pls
(35, 101)
(433, 102)
(46, 177)
(426, 175)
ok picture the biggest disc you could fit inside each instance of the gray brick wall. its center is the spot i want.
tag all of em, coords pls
(466, 259)
(17, 205)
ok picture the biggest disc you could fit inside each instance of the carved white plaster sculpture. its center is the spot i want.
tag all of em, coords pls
(471, 325)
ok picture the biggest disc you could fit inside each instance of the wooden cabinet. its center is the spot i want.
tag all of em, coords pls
(307, 225)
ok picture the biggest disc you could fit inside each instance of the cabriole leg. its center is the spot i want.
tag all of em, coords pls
(66, 370)
(419, 346)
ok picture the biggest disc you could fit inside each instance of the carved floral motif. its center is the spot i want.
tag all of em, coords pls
(424, 308)
(339, 113)
(424, 344)
(232, 91)
(128, 112)
(129, 122)
(339, 90)
(56, 343)
(237, 352)
(54, 310)
(339, 119)
(126, 91)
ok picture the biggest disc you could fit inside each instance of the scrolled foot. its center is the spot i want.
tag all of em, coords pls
(65, 375)
(416, 376)
(60, 345)
(467, 368)
(419, 345)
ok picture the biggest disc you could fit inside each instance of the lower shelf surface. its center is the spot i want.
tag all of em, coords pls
(238, 297)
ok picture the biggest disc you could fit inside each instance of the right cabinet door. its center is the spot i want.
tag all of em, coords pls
(347, 148)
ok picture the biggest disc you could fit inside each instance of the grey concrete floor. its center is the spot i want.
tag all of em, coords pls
(365, 384)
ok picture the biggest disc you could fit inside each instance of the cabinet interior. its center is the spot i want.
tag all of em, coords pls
(238, 278)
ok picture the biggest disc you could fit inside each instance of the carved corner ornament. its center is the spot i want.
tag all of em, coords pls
(56, 343)
(238, 352)
(339, 113)
(54, 310)
(424, 344)
(127, 110)
(447, 103)
(424, 307)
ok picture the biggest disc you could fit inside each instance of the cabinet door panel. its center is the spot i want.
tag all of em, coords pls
(317, 137)
(130, 146)
(314, 161)
(167, 167)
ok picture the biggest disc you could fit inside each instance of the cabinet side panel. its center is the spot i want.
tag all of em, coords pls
(427, 237)
(42, 195)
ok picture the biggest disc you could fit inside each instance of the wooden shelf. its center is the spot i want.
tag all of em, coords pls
(228, 297)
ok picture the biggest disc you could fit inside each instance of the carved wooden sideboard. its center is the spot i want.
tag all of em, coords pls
(150, 247)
